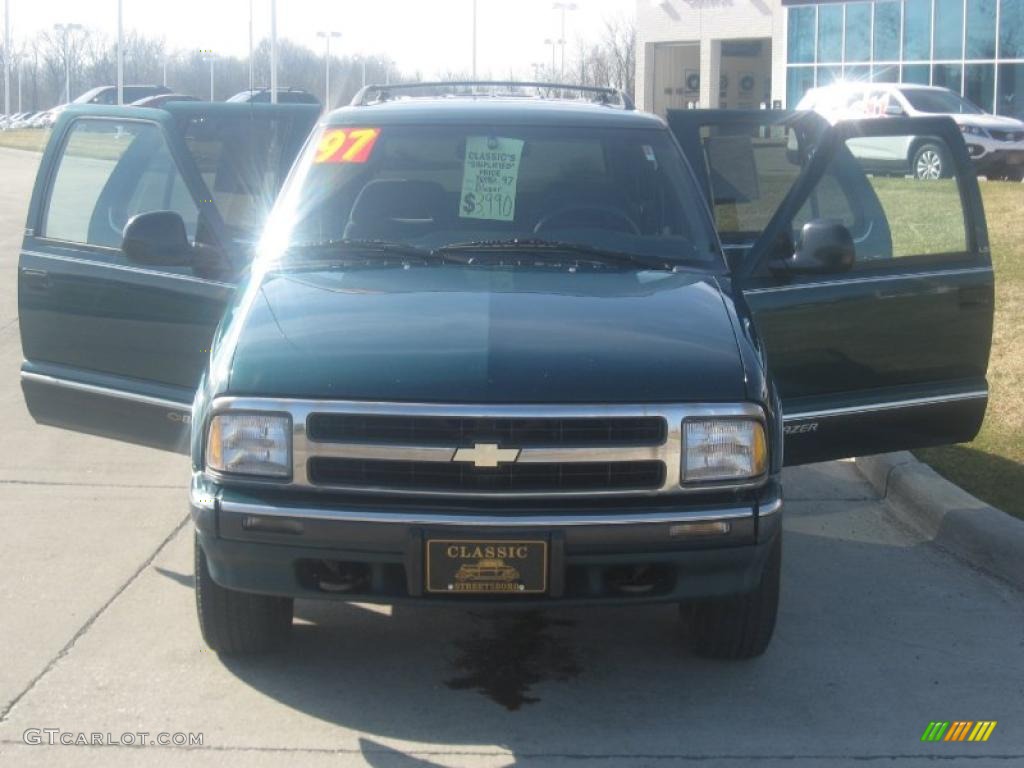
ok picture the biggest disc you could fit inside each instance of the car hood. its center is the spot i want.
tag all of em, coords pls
(487, 335)
(998, 122)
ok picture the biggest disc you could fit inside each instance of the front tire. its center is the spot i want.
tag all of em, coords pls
(236, 623)
(930, 163)
(737, 626)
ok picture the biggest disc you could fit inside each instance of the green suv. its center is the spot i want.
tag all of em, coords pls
(496, 344)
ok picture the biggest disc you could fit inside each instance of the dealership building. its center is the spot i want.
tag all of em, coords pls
(748, 54)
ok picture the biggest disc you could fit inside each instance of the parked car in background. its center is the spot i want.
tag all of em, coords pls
(162, 98)
(995, 143)
(284, 96)
(107, 94)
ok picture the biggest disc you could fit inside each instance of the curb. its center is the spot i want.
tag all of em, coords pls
(956, 521)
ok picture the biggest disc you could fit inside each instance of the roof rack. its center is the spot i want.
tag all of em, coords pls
(377, 94)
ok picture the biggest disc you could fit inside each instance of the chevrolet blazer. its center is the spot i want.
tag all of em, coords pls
(550, 327)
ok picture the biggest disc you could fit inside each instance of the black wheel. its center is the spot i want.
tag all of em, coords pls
(930, 163)
(235, 622)
(737, 626)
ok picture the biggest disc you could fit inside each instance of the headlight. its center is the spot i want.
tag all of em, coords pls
(250, 444)
(722, 450)
(973, 130)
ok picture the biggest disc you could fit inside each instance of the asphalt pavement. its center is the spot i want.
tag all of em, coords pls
(880, 633)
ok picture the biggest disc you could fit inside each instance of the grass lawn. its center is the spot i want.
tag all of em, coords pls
(33, 139)
(992, 467)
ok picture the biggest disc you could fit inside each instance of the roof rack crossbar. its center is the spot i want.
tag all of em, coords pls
(375, 94)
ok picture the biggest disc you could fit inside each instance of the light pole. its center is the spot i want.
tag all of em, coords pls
(327, 35)
(21, 58)
(65, 30)
(273, 51)
(474, 38)
(554, 47)
(211, 57)
(120, 53)
(252, 71)
(7, 57)
(564, 7)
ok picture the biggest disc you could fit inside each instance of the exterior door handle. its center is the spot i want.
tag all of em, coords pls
(36, 279)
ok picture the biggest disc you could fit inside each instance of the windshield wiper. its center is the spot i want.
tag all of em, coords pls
(374, 248)
(579, 251)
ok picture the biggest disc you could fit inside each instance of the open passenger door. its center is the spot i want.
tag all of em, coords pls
(116, 333)
(872, 295)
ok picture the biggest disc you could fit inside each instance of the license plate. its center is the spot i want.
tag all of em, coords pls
(493, 567)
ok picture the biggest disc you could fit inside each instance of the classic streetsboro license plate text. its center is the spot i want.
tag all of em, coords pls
(486, 567)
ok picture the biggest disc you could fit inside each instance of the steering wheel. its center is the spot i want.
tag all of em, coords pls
(600, 216)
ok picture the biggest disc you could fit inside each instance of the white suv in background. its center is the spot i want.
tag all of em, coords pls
(995, 144)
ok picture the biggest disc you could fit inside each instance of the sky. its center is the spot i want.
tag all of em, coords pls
(430, 36)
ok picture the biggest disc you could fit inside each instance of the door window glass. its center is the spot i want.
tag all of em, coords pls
(898, 196)
(108, 172)
(243, 162)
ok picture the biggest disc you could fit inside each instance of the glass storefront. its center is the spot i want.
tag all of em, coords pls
(973, 47)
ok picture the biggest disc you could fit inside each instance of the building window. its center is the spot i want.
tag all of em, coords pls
(1011, 30)
(830, 33)
(917, 30)
(829, 75)
(916, 73)
(885, 73)
(799, 80)
(801, 34)
(857, 73)
(1011, 90)
(979, 84)
(948, 76)
(858, 32)
(981, 29)
(887, 31)
(949, 29)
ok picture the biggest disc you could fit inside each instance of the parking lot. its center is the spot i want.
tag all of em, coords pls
(879, 634)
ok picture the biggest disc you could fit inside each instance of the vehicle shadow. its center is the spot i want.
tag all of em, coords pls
(859, 625)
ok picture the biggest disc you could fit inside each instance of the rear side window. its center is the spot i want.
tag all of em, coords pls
(108, 172)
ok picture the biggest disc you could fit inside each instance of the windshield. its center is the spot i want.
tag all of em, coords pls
(939, 102)
(621, 190)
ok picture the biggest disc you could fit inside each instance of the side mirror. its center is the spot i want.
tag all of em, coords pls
(158, 238)
(825, 247)
(893, 110)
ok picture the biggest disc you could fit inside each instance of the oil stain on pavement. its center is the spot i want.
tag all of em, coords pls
(507, 653)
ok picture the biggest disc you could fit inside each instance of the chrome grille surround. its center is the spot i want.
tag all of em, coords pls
(303, 448)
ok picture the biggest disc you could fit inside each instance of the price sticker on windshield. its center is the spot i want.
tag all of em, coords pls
(490, 178)
(346, 145)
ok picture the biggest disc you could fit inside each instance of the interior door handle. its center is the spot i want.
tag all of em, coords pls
(36, 279)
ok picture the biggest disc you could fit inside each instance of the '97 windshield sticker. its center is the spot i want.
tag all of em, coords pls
(346, 145)
(490, 178)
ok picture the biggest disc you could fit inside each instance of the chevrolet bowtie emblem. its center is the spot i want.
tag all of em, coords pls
(487, 455)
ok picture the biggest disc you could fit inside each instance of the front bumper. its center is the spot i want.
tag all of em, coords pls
(284, 548)
(993, 158)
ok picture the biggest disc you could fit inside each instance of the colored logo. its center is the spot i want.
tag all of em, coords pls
(959, 730)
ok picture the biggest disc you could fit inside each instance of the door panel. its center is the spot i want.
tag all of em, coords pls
(892, 354)
(114, 347)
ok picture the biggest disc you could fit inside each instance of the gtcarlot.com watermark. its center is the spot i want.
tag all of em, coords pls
(60, 737)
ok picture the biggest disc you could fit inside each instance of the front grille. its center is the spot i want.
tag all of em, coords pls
(461, 430)
(510, 478)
